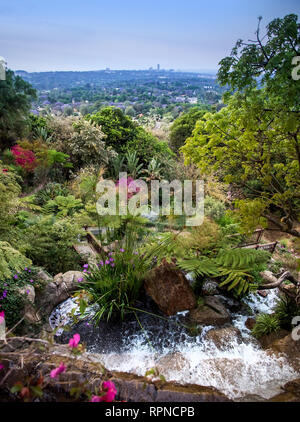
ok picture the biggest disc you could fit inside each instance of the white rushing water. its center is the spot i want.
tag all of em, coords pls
(240, 369)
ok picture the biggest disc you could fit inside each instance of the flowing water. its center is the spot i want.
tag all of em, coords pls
(239, 369)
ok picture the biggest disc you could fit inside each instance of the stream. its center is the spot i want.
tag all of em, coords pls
(240, 369)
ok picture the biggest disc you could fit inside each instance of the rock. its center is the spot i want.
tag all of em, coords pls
(172, 362)
(262, 293)
(250, 322)
(212, 312)
(291, 392)
(210, 288)
(268, 339)
(293, 387)
(250, 398)
(222, 337)
(31, 314)
(58, 290)
(172, 392)
(43, 276)
(289, 347)
(285, 398)
(170, 289)
(85, 369)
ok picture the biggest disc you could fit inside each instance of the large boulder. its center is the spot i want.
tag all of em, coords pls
(222, 337)
(211, 312)
(268, 339)
(172, 362)
(291, 392)
(31, 314)
(170, 289)
(58, 290)
(288, 346)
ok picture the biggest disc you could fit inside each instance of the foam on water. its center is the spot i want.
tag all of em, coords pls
(240, 369)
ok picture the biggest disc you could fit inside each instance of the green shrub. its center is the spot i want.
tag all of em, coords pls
(115, 284)
(286, 309)
(50, 191)
(49, 244)
(11, 260)
(12, 301)
(214, 208)
(265, 324)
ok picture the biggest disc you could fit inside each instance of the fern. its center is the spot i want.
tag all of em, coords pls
(11, 260)
(241, 258)
(201, 267)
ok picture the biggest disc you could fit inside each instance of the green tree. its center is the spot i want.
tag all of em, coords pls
(183, 127)
(118, 128)
(15, 101)
(254, 142)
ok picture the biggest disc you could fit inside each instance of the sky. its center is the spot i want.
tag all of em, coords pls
(43, 35)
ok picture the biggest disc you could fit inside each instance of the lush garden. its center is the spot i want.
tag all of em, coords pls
(247, 153)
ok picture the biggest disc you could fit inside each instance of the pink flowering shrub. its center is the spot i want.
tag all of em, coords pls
(24, 158)
(126, 183)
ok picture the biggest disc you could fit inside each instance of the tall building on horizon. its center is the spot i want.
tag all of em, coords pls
(158, 67)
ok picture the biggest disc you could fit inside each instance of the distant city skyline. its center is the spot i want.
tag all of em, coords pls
(190, 35)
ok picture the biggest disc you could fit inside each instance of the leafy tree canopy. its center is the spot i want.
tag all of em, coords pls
(183, 127)
(266, 61)
(254, 142)
(15, 101)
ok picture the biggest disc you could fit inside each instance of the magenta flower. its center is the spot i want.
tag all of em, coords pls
(28, 291)
(111, 259)
(74, 341)
(122, 250)
(109, 388)
(31, 281)
(55, 372)
(1, 366)
(110, 391)
(95, 399)
(80, 280)
(2, 317)
(86, 266)
(112, 264)
(15, 276)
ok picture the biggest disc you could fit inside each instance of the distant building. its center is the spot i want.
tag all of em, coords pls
(158, 67)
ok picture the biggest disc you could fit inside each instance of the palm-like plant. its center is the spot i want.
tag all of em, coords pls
(132, 163)
(154, 169)
(115, 284)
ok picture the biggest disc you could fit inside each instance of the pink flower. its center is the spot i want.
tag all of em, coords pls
(55, 372)
(74, 341)
(109, 388)
(1, 366)
(2, 317)
(96, 399)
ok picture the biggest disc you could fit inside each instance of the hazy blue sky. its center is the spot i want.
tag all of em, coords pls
(38, 35)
